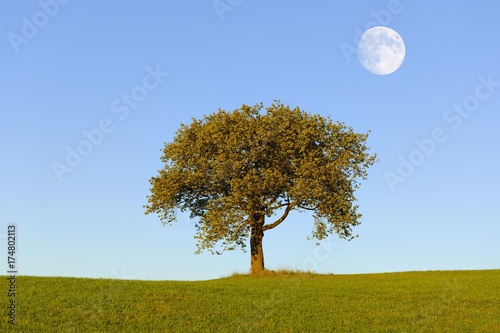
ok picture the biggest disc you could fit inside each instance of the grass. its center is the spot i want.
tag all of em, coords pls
(444, 301)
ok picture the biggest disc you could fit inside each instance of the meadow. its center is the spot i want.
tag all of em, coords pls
(434, 301)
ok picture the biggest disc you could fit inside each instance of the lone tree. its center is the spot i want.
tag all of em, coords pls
(233, 170)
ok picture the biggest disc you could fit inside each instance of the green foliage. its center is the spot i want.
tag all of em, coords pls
(233, 169)
(454, 301)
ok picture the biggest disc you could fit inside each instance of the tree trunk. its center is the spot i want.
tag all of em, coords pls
(256, 252)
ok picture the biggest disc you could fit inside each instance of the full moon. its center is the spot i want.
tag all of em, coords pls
(381, 50)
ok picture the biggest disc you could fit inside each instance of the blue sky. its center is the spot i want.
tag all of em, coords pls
(127, 74)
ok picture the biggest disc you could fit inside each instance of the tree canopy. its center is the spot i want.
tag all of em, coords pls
(234, 170)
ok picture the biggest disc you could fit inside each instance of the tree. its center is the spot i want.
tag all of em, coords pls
(232, 170)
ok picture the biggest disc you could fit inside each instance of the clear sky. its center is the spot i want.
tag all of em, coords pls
(111, 81)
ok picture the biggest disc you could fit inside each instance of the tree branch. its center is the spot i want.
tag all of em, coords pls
(307, 208)
(289, 207)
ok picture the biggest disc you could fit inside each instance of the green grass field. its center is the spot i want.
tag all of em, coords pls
(447, 301)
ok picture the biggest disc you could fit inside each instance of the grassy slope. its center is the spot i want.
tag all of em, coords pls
(454, 301)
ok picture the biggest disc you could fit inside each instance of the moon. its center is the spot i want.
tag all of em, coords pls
(381, 50)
